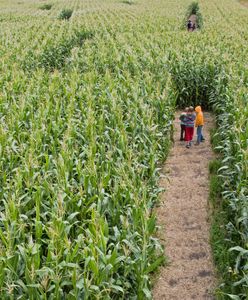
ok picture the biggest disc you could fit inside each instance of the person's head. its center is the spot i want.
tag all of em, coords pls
(186, 109)
(191, 109)
(198, 109)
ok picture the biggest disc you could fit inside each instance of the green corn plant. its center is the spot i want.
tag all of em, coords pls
(86, 110)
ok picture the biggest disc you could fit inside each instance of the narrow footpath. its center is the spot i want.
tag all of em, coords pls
(183, 217)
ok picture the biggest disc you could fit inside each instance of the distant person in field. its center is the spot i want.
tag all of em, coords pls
(199, 122)
(189, 126)
(189, 25)
(182, 119)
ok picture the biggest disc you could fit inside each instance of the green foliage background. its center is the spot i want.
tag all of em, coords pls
(81, 137)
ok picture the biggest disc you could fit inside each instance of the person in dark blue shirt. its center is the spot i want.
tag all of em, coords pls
(189, 25)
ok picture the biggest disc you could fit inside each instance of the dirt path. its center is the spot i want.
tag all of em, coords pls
(244, 3)
(183, 217)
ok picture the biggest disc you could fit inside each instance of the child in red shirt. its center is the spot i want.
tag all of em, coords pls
(189, 126)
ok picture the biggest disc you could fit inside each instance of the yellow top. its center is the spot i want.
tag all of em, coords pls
(199, 117)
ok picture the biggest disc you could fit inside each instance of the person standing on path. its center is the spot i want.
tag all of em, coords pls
(182, 119)
(189, 126)
(190, 25)
(199, 122)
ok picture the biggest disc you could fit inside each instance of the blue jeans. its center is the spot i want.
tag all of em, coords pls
(199, 134)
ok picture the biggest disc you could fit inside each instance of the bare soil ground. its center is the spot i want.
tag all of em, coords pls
(183, 217)
(244, 3)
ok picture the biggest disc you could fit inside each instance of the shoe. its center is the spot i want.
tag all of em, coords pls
(188, 146)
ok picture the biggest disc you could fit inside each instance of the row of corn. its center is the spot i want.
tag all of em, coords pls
(82, 135)
(82, 131)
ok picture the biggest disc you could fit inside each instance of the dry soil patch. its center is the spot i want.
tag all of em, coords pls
(244, 3)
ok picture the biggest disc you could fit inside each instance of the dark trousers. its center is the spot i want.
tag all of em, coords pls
(182, 132)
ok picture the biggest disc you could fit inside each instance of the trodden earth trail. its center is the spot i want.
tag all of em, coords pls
(183, 217)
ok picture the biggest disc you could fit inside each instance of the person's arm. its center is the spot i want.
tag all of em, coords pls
(200, 119)
(197, 121)
(182, 116)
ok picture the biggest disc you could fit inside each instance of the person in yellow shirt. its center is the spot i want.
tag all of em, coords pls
(199, 122)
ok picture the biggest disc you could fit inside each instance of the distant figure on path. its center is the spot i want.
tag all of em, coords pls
(189, 126)
(182, 118)
(190, 25)
(199, 122)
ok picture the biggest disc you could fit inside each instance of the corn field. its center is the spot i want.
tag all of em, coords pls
(86, 105)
